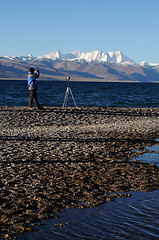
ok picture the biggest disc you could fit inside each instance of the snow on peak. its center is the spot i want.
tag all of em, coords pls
(99, 56)
(53, 55)
(95, 56)
(148, 64)
(30, 56)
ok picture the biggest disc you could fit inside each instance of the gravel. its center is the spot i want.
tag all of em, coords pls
(60, 158)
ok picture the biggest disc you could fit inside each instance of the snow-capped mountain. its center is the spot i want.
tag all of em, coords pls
(92, 66)
(29, 57)
(116, 57)
(98, 56)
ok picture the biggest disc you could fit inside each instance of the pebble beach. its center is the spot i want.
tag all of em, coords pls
(60, 158)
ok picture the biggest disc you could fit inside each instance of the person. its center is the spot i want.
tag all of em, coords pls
(32, 87)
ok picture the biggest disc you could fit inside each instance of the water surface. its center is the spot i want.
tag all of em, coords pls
(52, 93)
(136, 218)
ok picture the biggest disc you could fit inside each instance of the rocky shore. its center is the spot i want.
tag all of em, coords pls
(61, 158)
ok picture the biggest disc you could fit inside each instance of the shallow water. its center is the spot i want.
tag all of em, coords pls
(135, 217)
(152, 157)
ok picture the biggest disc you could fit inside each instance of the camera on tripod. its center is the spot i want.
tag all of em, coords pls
(68, 78)
(68, 90)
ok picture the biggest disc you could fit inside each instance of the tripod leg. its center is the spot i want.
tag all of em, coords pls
(73, 97)
(65, 99)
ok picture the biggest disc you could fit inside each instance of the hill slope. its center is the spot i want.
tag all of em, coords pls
(85, 67)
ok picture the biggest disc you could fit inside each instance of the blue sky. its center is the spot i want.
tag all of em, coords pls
(44, 26)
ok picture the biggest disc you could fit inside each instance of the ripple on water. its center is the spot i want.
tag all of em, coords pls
(136, 217)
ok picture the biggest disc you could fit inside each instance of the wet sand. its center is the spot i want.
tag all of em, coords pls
(61, 158)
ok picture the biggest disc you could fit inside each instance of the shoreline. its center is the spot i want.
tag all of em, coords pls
(61, 158)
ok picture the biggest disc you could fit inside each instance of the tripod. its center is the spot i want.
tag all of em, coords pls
(68, 90)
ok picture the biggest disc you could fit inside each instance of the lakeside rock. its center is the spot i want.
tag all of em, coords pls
(61, 158)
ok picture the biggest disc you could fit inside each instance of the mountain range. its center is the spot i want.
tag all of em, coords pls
(94, 66)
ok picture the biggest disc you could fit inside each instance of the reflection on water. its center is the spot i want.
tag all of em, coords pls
(135, 218)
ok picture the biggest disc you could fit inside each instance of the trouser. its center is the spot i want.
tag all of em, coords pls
(32, 96)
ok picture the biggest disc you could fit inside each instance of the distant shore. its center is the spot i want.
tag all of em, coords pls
(61, 158)
(74, 79)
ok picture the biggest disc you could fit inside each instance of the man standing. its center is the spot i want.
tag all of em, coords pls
(32, 87)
